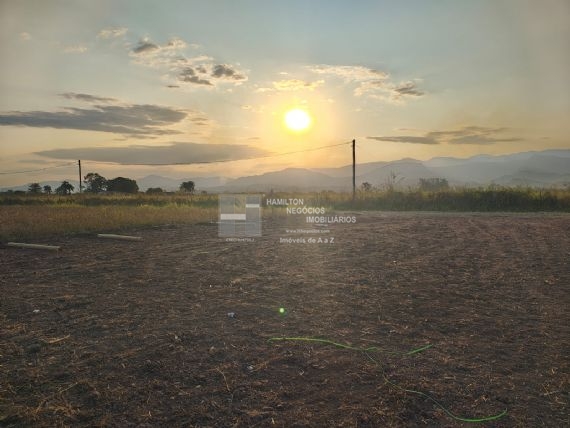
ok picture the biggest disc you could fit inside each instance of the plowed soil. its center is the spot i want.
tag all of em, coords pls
(175, 330)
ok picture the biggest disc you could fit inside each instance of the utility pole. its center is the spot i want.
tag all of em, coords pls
(353, 169)
(80, 185)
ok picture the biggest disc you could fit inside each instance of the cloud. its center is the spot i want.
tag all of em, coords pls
(36, 161)
(349, 73)
(388, 92)
(86, 97)
(75, 49)
(181, 70)
(176, 43)
(466, 135)
(409, 89)
(148, 53)
(25, 36)
(296, 85)
(481, 139)
(201, 121)
(406, 139)
(144, 47)
(174, 153)
(395, 94)
(112, 32)
(290, 85)
(467, 131)
(263, 90)
(189, 75)
(370, 82)
(140, 120)
(208, 74)
(371, 87)
(224, 71)
(473, 135)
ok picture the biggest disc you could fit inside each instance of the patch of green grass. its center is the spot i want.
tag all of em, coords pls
(470, 200)
(467, 200)
(94, 199)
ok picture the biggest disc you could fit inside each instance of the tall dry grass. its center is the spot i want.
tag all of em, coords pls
(26, 216)
(22, 222)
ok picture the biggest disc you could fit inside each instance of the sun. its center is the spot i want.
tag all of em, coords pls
(297, 120)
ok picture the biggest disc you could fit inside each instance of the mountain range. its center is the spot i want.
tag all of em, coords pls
(548, 168)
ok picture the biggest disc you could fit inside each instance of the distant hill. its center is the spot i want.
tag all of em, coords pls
(287, 179)
(346, 171)
(535, 169)
(405, 173)
(53, 183)
(540, 169)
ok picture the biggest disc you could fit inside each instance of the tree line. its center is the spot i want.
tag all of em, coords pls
(96, 183)
(425, 184)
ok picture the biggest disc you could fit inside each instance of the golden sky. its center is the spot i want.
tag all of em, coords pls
(140, 82)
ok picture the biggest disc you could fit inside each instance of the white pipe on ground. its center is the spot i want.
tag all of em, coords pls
(34, 246)
(122, 237)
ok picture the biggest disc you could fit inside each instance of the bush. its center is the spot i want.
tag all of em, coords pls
(154, 191)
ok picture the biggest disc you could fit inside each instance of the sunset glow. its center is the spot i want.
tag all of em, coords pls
(123, 86)
(297, 120)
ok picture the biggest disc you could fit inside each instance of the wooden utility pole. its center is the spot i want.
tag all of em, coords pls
(353, 169)
(80, 185)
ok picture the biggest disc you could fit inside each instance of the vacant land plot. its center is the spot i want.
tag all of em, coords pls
(113, 333)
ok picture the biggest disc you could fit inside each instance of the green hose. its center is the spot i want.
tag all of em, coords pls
(367, 351)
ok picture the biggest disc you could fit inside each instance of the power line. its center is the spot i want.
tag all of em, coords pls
(220, 161)
(36, 170)
(303, 151)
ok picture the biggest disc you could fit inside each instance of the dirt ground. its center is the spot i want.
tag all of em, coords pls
(116, 333)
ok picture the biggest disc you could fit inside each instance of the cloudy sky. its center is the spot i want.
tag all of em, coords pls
(116, 82)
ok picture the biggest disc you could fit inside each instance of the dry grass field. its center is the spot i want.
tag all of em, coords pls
(113, 333)
(30, 222)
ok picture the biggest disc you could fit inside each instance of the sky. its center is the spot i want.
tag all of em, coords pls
(207, 84)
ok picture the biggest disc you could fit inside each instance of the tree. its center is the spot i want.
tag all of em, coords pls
(122, 185)
(65, 188)
(47, 189)
(35, 188)
(392, 181)
(154, 190)
(433, 184)
(366, 186)
(187, 186)
(95, 183)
